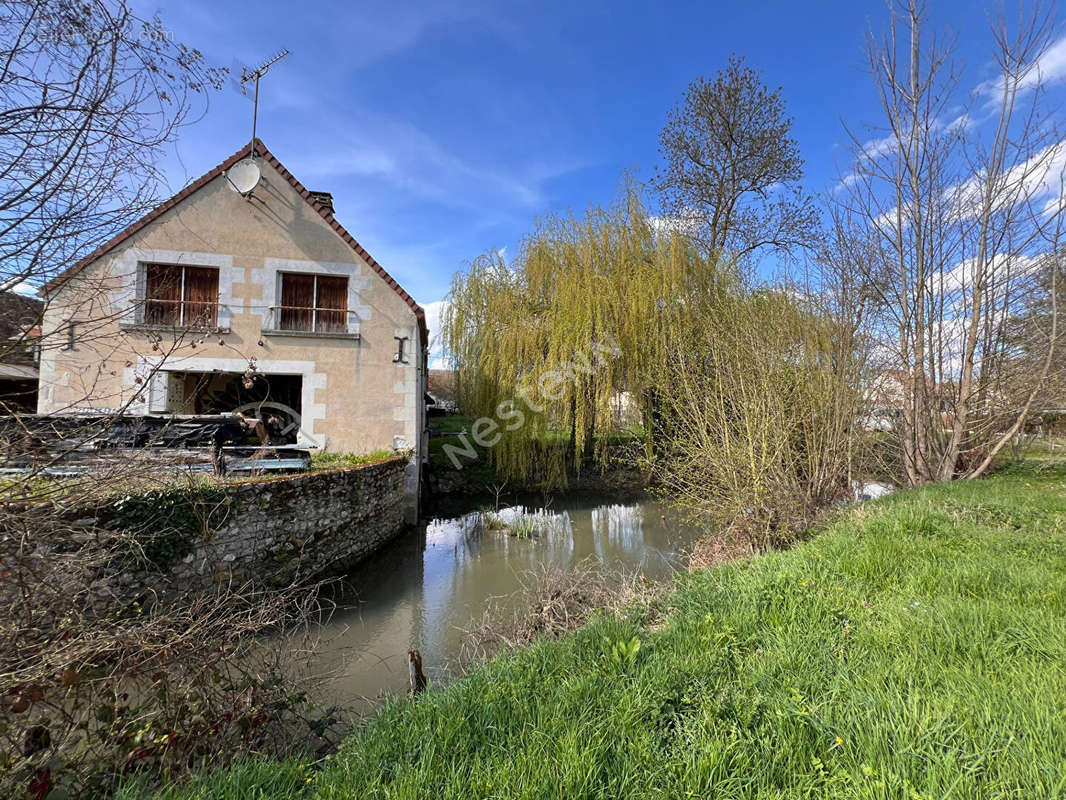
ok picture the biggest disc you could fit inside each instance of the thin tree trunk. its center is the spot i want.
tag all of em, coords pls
(1017, 426)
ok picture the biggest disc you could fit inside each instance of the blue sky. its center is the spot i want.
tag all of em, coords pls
(444, 130)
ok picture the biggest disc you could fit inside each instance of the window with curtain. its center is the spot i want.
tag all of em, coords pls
(180, 296)
(313, 303)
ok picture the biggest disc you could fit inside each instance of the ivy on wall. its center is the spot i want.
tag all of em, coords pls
(165, 524)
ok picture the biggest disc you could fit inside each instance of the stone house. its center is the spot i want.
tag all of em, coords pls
(242, 293)
(20, 320)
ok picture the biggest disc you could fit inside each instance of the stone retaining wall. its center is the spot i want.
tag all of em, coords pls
(190, 537)
(280, 529)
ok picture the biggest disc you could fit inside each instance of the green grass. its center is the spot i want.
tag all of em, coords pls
(915, 648)
(1048, 447)
(451, 423)
(521, 527)
(476, 472)
(327, 460)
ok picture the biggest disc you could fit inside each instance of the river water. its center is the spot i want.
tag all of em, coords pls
(428, 587)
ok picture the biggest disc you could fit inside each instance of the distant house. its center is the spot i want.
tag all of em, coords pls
(227, 299)
(889, 393)
(20, 329)
(441, 397)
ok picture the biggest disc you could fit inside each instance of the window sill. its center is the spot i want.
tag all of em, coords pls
(142, 327)
(352, 337)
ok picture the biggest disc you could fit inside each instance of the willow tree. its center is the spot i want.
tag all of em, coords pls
(544, 347)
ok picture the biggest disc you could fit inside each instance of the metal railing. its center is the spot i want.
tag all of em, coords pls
(178, 313)
(309, 319)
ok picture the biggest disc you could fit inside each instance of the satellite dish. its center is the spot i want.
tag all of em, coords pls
(244, 176)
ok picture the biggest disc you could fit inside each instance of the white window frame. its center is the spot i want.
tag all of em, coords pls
(314, 309)
(143, 299)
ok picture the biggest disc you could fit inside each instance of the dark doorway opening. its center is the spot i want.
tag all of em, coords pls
(275, 399)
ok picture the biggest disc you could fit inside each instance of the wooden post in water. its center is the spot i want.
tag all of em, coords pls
(418, 678)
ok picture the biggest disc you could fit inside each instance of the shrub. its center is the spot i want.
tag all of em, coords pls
(757, 415)
(111, 670)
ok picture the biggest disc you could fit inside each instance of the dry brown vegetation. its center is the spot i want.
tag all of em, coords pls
(556, 601)
(107, 667)
(110, 668)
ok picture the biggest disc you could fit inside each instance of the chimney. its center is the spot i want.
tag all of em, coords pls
(324, 199)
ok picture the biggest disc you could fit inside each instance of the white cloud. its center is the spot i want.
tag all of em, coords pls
(1039, 181)
(413, 161)
(1055, 204)
(371, 162)
(1048, 176)
(418, 164)
(686, 223)
(24, 288)
(846, 182)
(950, 332)
(1048, 67)
(1051, 65)
(1038, 177)
(1001, 267)
(433, 322)
(875, 148)
(961, 123)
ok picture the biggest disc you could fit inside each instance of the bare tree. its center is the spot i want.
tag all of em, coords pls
(958, 203)
(109, 665)
(90, 97)
(90, 94)
(1032, 337)
(731, 167)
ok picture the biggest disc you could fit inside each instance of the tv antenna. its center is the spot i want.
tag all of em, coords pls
(249, 75)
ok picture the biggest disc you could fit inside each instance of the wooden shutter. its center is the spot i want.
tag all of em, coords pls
(297, 302)
(201, 297)
(162, 295)
(332, 304)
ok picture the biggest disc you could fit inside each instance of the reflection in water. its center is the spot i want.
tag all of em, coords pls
(618, 526)
(424, 590)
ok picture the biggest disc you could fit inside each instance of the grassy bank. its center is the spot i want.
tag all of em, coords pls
(916, 648)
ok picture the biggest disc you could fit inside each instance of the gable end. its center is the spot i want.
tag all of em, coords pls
(261, 150)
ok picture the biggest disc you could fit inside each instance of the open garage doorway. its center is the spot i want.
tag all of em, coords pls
(275, 399)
